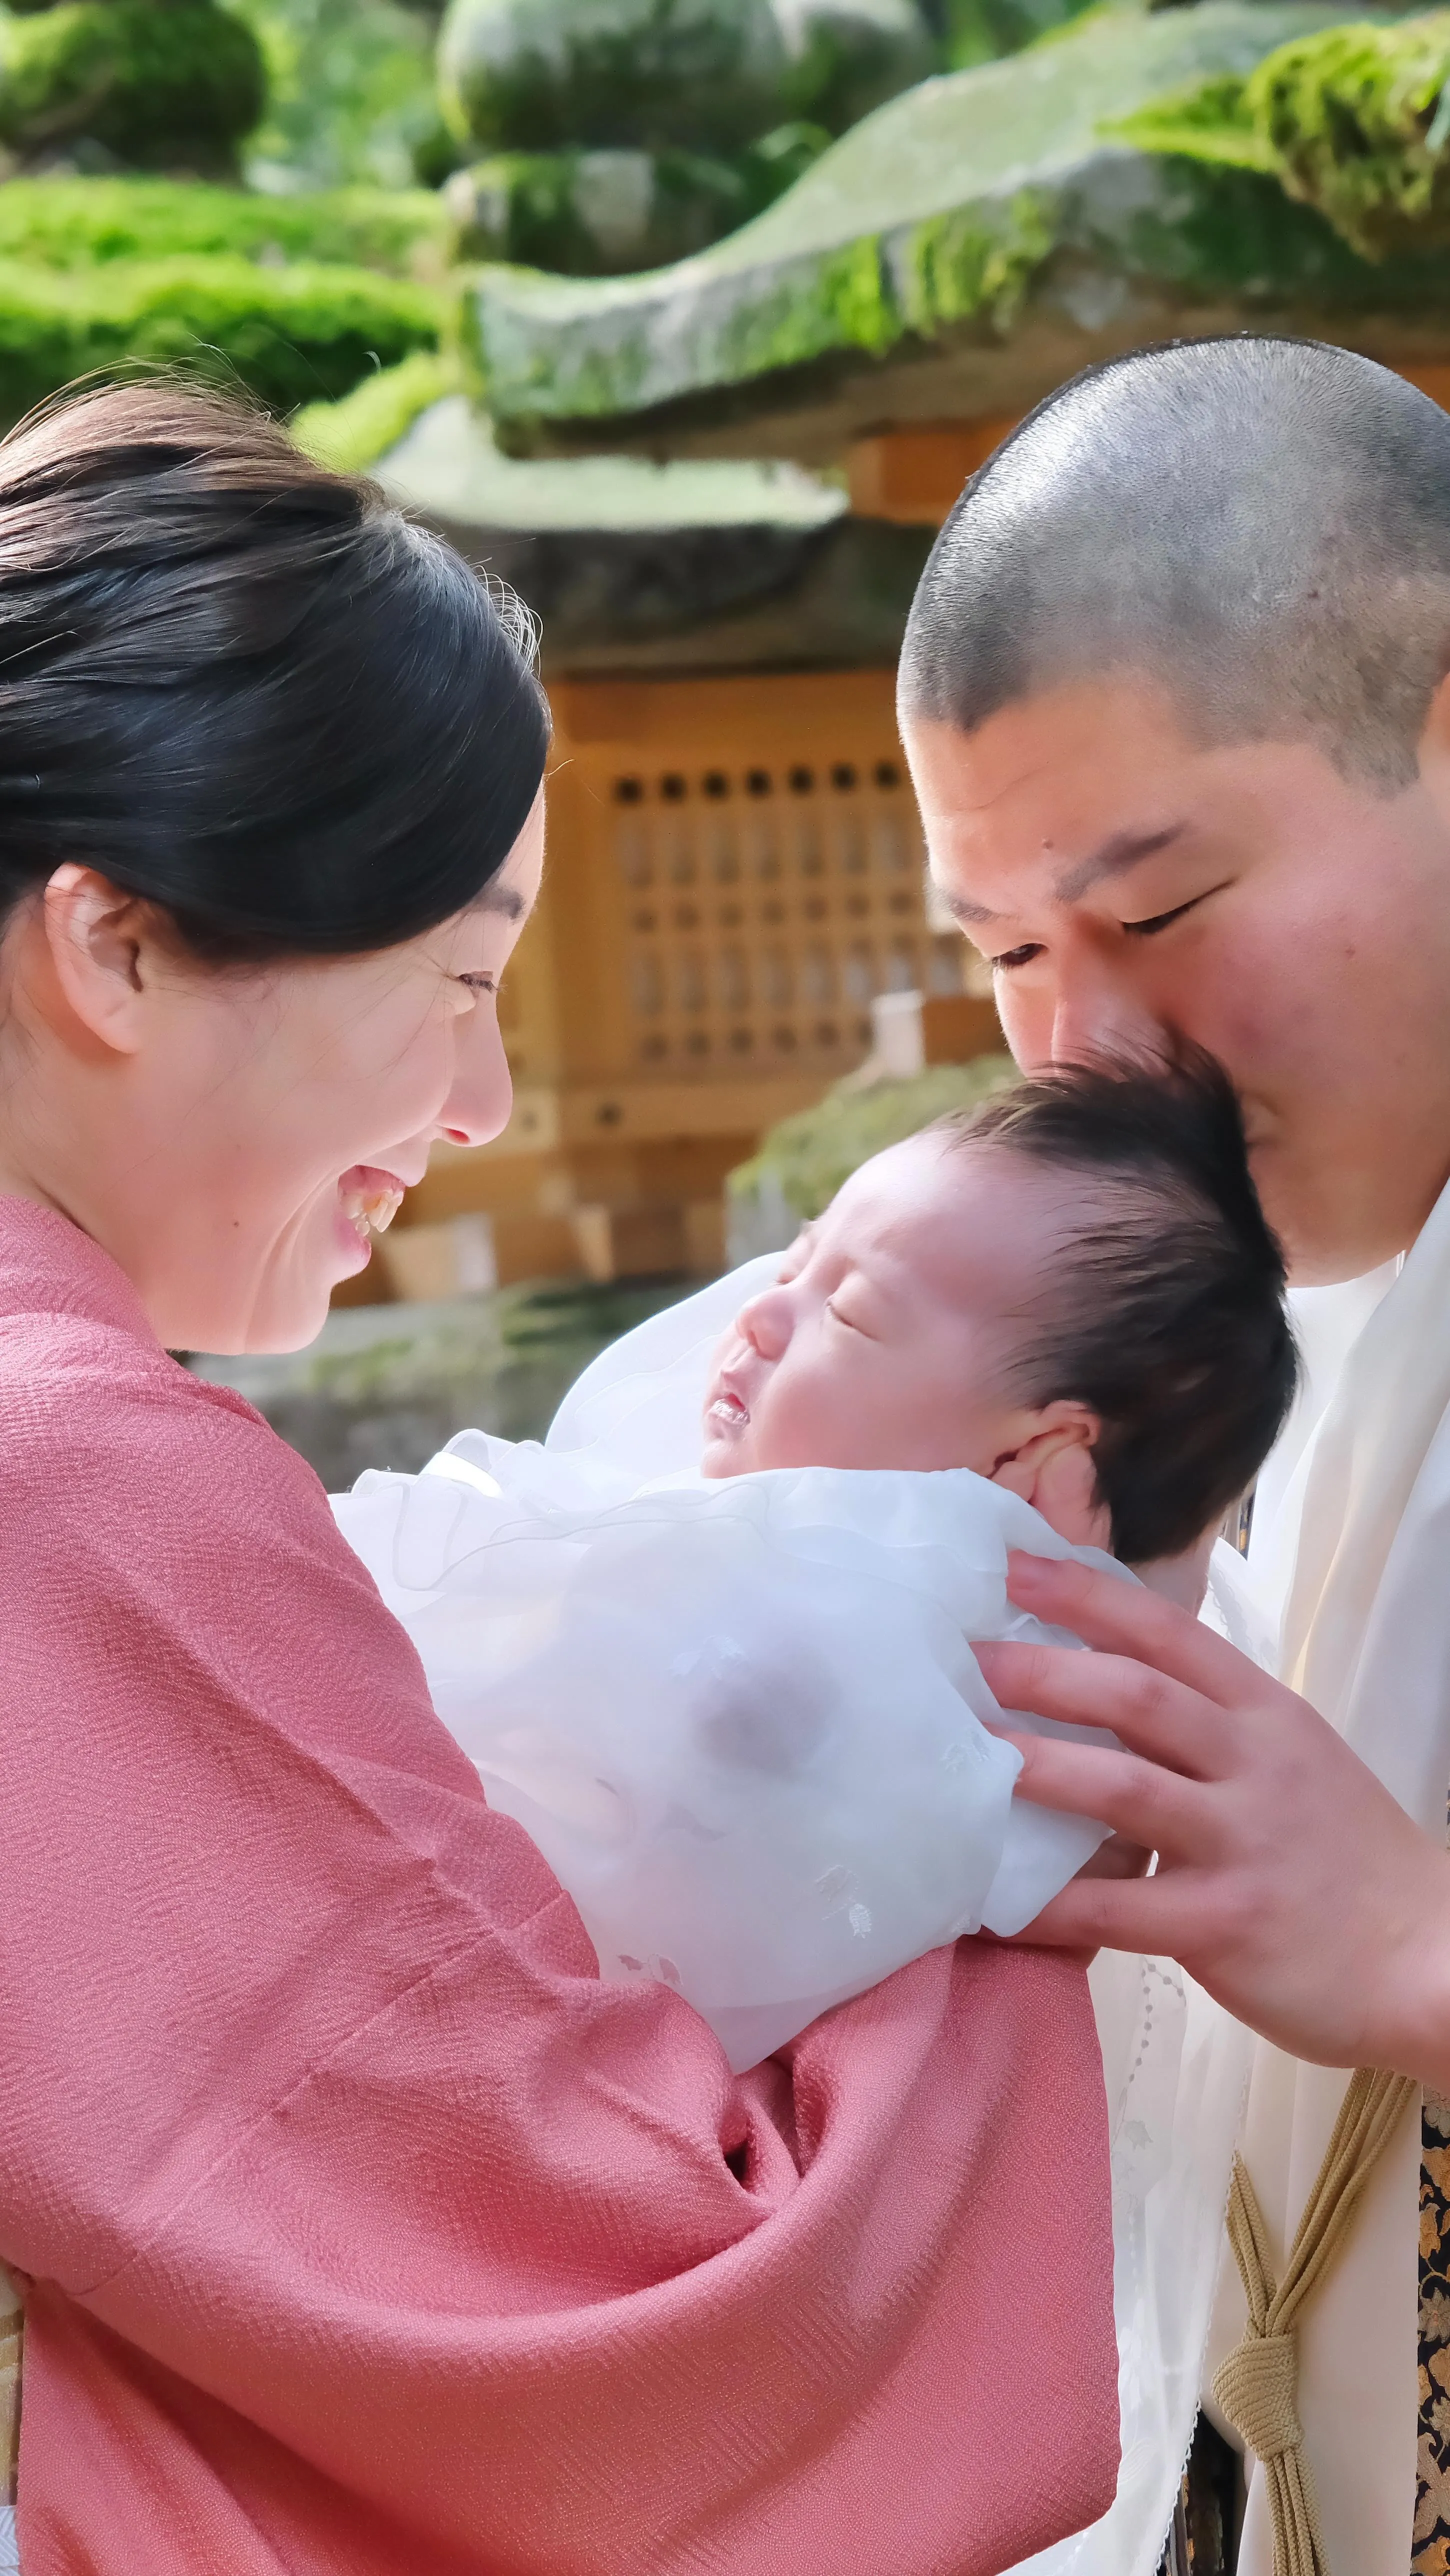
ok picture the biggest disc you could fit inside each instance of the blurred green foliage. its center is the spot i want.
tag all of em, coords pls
(288, 336)
(350, 435)
(979, 31)
(73, 223)
(809, 1156)
(352, 95)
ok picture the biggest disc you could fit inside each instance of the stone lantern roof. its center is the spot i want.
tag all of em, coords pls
(951, 259)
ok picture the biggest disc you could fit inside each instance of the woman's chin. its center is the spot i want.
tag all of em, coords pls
(353, 1246)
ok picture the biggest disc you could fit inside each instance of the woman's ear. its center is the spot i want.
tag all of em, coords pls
(1052, 1468)
(95, 934)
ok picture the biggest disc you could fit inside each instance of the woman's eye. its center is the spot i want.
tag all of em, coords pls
(1011, 957)
(479, 983)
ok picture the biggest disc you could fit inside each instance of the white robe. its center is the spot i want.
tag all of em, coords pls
(1351, 1554)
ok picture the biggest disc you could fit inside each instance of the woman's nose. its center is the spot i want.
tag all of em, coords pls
(765, 1323)
(482, 1093)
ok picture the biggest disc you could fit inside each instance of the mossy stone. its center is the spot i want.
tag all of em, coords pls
(650, 75)
(849, 56)
(609, 213)
(158, 86)
(970, 202)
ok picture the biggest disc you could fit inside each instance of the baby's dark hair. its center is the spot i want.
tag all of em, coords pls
(1165, 1314)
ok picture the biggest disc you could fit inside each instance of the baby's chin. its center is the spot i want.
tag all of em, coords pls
(724, 1453)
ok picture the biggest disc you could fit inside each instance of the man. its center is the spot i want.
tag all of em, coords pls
(1174, 695)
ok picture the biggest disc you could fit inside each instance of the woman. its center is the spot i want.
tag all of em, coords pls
(359, 2226)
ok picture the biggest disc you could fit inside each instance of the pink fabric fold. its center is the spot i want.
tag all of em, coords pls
(364, 2228)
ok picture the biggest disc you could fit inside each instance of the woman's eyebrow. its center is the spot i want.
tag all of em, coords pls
(505, 899)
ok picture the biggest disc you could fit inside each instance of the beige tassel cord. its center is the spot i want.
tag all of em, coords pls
(1257, 2385)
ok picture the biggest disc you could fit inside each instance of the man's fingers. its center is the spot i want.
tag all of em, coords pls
(1109, 1914)
(1154, 1715)
(1140, 1800)
(1125, 1619)
(1117, 1858)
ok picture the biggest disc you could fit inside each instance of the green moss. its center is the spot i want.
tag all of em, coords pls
(1353, 118)
(809, 1156)
(72, 223)
(352, 434)
(184, 82)
(1209, 123)
(1353, 121)
(967, 263)
(288, 335)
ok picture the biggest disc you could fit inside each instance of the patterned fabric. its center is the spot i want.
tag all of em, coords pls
(1432, 2483)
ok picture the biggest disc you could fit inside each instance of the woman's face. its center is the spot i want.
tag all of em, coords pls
(259, 1117)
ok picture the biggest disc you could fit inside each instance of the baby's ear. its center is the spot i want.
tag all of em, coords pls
(1053, 1469)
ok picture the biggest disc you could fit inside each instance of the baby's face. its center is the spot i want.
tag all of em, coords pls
(888, 1337)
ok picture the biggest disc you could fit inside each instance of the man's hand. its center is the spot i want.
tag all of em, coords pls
(1289, 1883)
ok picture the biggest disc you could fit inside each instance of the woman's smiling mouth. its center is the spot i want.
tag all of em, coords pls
(369, 1199)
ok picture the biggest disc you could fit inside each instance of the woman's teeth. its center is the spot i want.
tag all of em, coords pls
(728, 1408)
(371, 1211)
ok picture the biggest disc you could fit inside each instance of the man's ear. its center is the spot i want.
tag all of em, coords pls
(1052, 1468)
(95, 934)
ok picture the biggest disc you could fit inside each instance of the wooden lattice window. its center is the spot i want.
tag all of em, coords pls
(764, 910)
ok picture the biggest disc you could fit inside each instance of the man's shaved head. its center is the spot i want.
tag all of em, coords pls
(1261, 526)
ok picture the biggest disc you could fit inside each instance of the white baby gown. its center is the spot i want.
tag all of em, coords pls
(740, 1719)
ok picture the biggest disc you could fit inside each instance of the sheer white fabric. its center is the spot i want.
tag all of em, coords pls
(741, 1720)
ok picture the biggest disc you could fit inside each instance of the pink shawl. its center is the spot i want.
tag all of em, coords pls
(363, 2228)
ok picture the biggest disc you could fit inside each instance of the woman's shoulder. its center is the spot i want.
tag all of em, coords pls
(103, 1433)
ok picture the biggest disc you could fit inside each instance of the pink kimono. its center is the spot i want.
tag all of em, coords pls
(362, 2228)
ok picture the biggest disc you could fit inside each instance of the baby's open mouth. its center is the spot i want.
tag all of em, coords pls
(370, 1199)
(725, 1406)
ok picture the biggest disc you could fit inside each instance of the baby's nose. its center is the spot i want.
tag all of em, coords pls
(764, 1322)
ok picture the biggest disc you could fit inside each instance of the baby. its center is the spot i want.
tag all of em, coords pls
(1072, 1291)
(732, 1696)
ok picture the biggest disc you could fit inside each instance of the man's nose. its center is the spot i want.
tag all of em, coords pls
(1093, 1011)
(764, 1323)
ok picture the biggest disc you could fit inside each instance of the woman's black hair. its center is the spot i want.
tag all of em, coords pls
(245, 688)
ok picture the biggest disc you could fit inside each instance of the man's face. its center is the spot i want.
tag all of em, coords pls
(1129, 886)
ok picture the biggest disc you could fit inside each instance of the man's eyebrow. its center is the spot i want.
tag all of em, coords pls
(1123, 851)
(1116, 856)
(960, 909)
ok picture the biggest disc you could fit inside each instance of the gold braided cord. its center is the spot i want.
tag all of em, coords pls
(1257, 2386)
